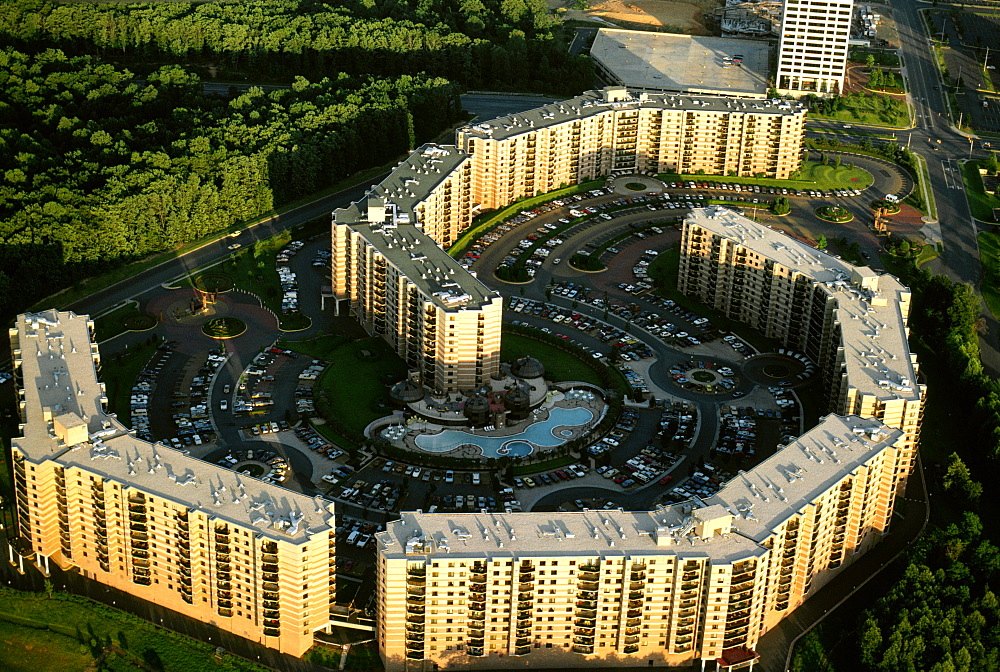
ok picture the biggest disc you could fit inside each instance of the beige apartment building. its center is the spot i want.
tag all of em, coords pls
(612, 131)
(250, 558)
(404, 287)
(847, 319)
(677, 585)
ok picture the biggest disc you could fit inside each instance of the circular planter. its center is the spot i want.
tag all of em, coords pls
(251, 469)
(224, 327)
(834, 214)
(140, 322)
(635, 186)
(216, 283)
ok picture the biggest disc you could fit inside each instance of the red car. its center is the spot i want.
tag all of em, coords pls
(666, 479)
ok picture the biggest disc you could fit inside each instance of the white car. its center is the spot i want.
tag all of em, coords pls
(223, 405)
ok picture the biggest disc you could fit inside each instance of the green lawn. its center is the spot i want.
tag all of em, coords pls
(351, 388)
(559, 364)
(119, 375)
(78, 628)
(111, 324)
(24, 649)
(872, 109)
(321, 347)
(927, 253)
(811, 175)
(980, 203)
(989, 255)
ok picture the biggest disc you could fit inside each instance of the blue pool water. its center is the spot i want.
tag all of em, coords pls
(540, 434)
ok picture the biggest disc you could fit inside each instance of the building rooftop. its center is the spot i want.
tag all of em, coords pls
(55, 346)
(872, 307)
(410, 183)
(605, 533)
(764, 497)
(728, 527)
(690, 64)
(442, 279)
(388, 219)
(592, 103)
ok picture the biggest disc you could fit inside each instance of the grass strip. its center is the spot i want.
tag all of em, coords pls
(989, 255)
(980, 203)
(490, 220)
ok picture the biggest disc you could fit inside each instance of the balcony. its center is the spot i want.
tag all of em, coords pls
(583, 648)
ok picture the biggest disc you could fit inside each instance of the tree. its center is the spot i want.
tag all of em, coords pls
(958, 479)
(870, 61)
(821, 242)
(991, 163)
(871, 638)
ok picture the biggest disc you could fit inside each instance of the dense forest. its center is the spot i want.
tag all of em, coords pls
(98, 168)
(495, 44)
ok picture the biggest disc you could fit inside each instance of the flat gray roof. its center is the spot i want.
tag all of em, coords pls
(397, 234)
(438, 276)
(683, 63)
(413, 179)
(59, 377)
(778, 488)
(592, 103)
(757, 502)
(869, 311)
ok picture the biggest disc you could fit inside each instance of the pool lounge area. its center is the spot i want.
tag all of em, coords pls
(557, 429)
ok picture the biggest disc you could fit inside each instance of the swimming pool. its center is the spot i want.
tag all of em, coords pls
(540, 434)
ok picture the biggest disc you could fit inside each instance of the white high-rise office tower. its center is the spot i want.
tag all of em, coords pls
(812, 55)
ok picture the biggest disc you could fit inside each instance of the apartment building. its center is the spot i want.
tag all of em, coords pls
(849, 320)
(687, 582)
(812, 50)
(253, 559)
(404, 287)
(609, 131)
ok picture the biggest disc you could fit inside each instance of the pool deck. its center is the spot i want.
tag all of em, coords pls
(450, 406)
(596, 406)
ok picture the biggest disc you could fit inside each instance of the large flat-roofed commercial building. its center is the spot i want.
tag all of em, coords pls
(683, 583)
(850, 320)
(683, 64)
(812, 51)
(248, 557)
(404, 287)
(614, 131)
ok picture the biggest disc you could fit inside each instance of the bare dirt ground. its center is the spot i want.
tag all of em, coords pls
(688, 17)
